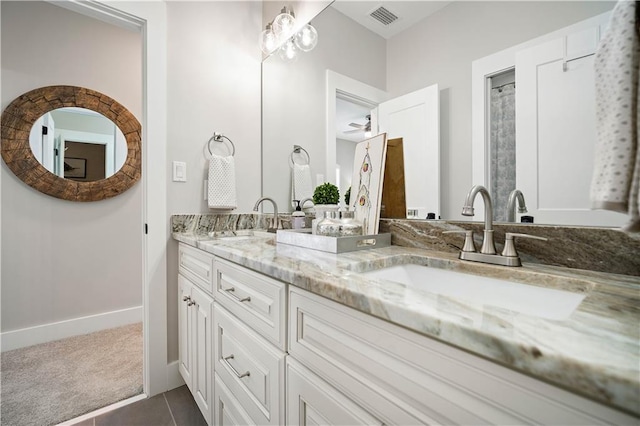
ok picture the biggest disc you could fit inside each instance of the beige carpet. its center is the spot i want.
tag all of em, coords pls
(56, 381)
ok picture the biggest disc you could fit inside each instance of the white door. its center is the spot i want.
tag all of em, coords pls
(48, 144)
(555, 127)
(415, 118)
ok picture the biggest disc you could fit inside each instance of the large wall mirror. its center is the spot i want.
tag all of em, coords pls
(295, 100)
(72, 143)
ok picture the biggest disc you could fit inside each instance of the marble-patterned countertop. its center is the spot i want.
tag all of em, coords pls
(595, 352)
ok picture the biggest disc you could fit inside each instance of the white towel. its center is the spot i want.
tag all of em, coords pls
(222, 183)
(616, 179)
(301, 185)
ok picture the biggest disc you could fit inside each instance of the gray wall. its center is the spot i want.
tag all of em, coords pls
(294, 97)
(213, 85)
(63, 260)
(440, 50)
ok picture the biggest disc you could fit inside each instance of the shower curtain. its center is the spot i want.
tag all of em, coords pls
(502, 150)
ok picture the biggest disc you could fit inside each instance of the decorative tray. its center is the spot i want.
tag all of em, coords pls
(304, 238)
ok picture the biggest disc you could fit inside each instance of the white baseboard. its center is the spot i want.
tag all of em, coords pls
(174, 378)
(74, 327)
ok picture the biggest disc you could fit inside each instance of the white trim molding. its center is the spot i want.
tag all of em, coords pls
(174, 377)
(355, 90)
(74, 327)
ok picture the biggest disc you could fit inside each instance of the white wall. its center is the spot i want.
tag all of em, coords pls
(213, 86)
(440, 50)
(61, 259)
(294, 105)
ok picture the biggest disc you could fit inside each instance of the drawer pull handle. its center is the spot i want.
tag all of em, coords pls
(186, 298)
(240, 376)
(230, 290)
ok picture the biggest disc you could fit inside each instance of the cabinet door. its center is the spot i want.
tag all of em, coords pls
(311, 401)
(201, 323)
(184, 329)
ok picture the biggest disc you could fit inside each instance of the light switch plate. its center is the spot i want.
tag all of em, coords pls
(179, 171)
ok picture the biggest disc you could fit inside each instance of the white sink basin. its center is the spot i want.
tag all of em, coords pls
(478, 290)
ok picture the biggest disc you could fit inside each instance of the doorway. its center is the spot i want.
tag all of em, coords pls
(148, 19)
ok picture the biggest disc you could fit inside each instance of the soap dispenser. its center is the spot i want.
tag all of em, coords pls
(298, 217)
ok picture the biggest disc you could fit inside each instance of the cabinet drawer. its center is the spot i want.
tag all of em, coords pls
(311, 401)
(196, 265)
(259, 301)
(250, 367)
(228, 411)
(402, 377)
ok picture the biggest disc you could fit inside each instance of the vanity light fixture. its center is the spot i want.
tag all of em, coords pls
(284, 23)
(307, 38)
(279, 35)
(289, 51)
(268, 39)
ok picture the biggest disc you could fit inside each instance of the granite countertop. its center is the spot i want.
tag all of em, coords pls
(595, 352)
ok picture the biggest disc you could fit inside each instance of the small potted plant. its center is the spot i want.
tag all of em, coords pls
(325, 198)
(326, 194)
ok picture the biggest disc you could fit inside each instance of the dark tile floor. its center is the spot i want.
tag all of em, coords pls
(173, 408)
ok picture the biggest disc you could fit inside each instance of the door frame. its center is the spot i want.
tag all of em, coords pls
(341, 86)
(148, 18)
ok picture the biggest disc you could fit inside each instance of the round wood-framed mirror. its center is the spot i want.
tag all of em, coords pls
(21, 114)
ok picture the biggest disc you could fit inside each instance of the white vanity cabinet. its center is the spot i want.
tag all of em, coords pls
(195, 314)
(400, 377)
(249, 347)
(254, 350)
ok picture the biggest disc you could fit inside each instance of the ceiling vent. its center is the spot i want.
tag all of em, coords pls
(383, 15)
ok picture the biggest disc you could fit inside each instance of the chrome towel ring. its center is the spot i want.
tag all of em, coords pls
(296, 150)
(218, 137)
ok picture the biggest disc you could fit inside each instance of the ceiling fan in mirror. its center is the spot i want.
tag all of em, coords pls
(366, 127)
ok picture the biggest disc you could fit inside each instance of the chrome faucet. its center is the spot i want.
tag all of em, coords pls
(275, 212)
(488, 254)
(511, 205)
(305, 200)
(488, 246)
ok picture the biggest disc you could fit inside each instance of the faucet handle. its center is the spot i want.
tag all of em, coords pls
(510, 246)
(469, 244)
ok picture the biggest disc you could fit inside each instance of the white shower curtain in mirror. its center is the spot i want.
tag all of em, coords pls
(502, 148)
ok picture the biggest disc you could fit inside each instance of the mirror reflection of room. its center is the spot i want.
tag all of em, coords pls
(440, 49)
(79, 144)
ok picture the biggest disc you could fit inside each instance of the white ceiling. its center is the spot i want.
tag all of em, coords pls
(409, 13)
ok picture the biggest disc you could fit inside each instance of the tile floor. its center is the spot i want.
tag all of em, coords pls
(173, 408)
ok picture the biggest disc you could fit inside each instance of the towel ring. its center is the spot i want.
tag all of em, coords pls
(217, 137)
(296, 150)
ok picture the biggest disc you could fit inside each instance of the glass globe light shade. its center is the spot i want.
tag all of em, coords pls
(283, 24)
(307, 38)
(268, 40)
(288, 52)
